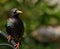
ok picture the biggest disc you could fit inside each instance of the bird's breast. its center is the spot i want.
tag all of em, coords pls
(13, 20)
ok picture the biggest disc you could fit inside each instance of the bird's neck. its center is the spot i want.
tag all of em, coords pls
(17, 17)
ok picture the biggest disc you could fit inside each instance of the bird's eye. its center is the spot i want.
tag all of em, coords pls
(14, 12)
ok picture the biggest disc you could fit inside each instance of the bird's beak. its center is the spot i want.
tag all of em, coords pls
(19, 11)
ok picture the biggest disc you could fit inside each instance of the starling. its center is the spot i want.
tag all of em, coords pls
(15, 27)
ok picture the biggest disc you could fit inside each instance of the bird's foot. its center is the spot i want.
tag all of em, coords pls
(9, 38)
(17, 46)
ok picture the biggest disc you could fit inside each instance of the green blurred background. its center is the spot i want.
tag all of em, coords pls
(35, 14)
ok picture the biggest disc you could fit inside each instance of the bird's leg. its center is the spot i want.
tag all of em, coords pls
(17, 45)
(9, 38)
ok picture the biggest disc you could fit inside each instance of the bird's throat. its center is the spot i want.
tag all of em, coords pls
(16, 16)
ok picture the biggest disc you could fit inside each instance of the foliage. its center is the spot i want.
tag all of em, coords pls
(34, 14)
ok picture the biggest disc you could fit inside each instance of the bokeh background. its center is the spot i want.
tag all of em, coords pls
(36, 13)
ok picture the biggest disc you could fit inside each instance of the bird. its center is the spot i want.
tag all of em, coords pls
(15, 27)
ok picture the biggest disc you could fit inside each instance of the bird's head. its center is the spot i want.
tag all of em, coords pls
(15, 12)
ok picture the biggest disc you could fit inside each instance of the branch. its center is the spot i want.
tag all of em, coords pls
(5, 44)
(5, 35)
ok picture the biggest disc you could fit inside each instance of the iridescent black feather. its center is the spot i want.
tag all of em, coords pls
(15, 26)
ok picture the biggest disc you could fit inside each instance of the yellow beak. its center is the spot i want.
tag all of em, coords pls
(19, 11)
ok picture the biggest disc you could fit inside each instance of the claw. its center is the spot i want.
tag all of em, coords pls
(17, 46)
(9, 38)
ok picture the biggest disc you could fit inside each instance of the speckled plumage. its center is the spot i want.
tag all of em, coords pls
(15, 27)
